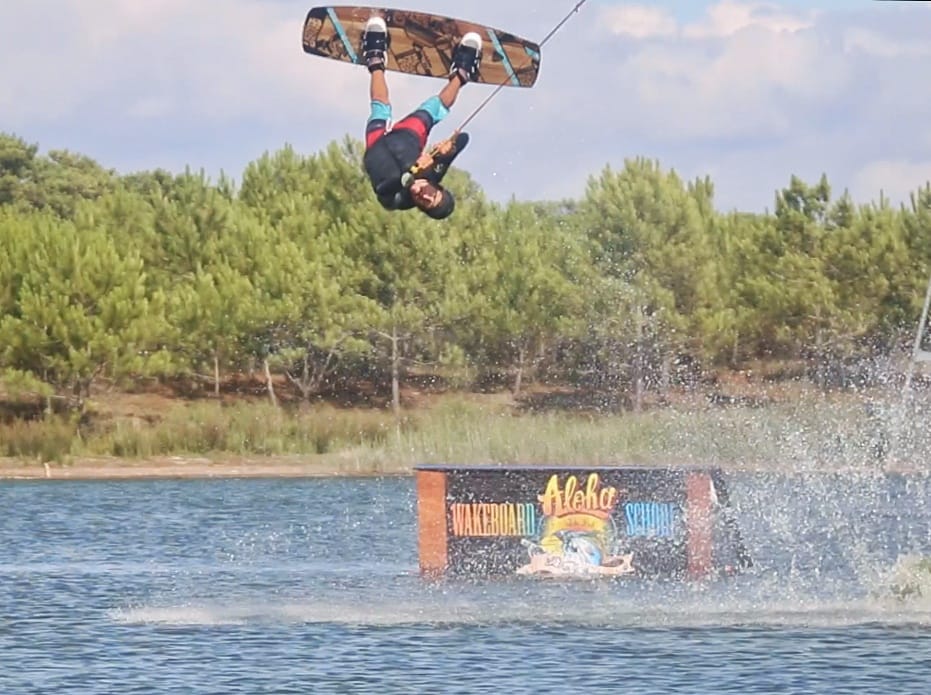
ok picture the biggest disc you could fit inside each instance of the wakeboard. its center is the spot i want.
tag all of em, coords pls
(421, 43)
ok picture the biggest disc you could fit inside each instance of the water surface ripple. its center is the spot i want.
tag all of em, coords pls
(267, 586)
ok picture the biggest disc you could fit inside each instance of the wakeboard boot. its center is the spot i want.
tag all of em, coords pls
(375, 41)
(467, 58)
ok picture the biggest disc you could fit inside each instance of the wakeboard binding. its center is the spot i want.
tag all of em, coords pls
(375, 42)
(467, 57)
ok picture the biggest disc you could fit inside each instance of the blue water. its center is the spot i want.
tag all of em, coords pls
(245, 586)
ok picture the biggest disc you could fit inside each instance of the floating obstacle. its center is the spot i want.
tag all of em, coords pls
(576, 522)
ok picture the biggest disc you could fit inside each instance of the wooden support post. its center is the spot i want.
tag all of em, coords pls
(431, 512)
(700, 515)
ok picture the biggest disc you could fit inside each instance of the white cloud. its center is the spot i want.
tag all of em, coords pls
(876, 44)
(741, 84)
(752, 100)
(640, 21)
(722, 19)
(106, 21)
(209, 59)
(741, 71)
(751, 91)
(729, 17)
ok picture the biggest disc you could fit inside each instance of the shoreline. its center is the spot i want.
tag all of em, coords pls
(310, 467)
(186, 468)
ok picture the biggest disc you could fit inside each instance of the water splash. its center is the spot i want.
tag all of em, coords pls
(828, 552)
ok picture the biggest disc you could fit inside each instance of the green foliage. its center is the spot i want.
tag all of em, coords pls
(22, 385)
(315, 311)
(58, 182)
(76, 306)
(108, 279)
(652, 232)
(17, 167)
(527, 288)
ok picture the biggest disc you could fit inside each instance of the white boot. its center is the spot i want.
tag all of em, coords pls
(375, 43)
(467, 57)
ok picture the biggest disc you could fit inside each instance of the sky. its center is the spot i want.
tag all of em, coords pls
(748, 93)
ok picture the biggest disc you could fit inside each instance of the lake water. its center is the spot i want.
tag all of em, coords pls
(311, 586)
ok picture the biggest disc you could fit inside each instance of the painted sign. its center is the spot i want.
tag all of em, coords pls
(577, 534)
(569, 522)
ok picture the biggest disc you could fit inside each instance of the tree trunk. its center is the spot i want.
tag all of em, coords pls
(638, 363)
(216, 375)
(313, 372)
(305, 376)
(821, 371)
(519, 377)
(269, 384)
(80, 393)
(395, 372)
(638, 390)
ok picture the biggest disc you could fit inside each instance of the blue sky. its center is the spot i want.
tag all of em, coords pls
(748, 93)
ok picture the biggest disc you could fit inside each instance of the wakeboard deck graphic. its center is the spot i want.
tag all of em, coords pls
(421, 43)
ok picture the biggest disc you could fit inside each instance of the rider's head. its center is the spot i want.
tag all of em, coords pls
(435, 201)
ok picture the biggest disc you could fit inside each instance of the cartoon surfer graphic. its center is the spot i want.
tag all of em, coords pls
(580, 553)
(577, 535)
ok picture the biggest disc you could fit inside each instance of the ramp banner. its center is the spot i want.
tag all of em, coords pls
(566, 521)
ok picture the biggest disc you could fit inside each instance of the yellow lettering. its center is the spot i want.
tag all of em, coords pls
(493, 519)
(591, 498)
(510, 527)
(577, 501)
(469, 527)
(608, 498)
(570, 497)
(552, 506)
(459, 512)
(591, 491)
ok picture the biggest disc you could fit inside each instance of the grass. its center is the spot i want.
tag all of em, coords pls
(241, 429)
(796, 434)
(46, 440)
(808, 430)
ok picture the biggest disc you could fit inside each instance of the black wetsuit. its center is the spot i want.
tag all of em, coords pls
(391, 153)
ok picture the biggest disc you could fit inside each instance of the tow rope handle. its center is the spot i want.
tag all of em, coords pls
(409, 176)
